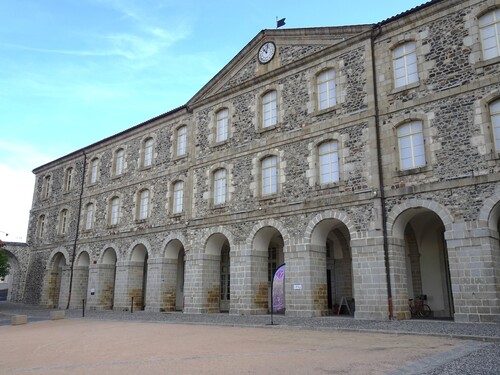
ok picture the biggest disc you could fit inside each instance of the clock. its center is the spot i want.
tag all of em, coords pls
(266, 52)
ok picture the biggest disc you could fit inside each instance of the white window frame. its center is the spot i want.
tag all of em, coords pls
(114, 211)
(494, 107)
(489, 26)
(63, 221)
(220, 186)
(147, 159)
(411, 145)
(94, 170)
(328, 161)
(222, 125)
(119, 162)
(405, 64)
(143, 204)
(41, 226)
(181, 141)
(89, 216)
(68, 179)
(270, 109)
(178, 197)
(47, 181)
(327, 90)
(269, 175)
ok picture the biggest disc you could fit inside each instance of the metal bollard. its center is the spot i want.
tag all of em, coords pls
(132, 306)
(83, 308)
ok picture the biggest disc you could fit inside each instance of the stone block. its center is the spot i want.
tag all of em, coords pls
(56, 315)
(16, 320)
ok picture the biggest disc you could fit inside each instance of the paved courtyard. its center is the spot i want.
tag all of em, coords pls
(161, 343)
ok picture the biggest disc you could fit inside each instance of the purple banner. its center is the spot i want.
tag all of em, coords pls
(279, 290)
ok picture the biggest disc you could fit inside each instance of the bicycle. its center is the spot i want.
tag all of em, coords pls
(418, 307)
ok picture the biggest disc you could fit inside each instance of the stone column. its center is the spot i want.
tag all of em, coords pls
(211, 283)
(79, 287)
(129, 282)
(162, 284)
(369, 279)
(193, 283)
(102, 281)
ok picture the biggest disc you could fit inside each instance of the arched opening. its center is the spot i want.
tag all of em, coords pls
(219, 291)
(9, 285)
(108, 277)
(269, 243)
(175, 252)
(427, 266)
(331, 240)
(54, 280)
(139, 272)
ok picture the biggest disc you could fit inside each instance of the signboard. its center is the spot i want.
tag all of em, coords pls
(279, 290)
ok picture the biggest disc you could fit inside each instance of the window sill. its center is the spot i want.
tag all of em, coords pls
(140, 221)
(268, 197)
(145, 168)
(484, 63)
(179, 157)
(399, 89)
(331, 185)
(407, 172)
(220, 143)
(319, 112)
(267, 129)
(117, 177)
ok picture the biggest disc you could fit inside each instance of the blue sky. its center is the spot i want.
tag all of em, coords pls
(75, 71)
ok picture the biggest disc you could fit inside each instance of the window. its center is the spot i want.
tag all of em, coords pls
(220, 186)
(181, 140)
(119, 162)
(222, 125)
(490, 34)
(41, 226)
(269, 109)
(411, 145)
(89, 217)
(46, 187)
(269, 175)
(495, 122)
(94, 168)
(177, 205)
(63, 222)
(114, 209)
(147, 159)
(405, 64)
(328, 162)
(326, 89)
(68, 179)
(143, 204)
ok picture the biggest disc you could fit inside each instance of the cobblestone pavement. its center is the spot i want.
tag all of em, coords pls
(481, 354)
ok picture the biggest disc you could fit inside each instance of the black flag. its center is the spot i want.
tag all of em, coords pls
(280, 22)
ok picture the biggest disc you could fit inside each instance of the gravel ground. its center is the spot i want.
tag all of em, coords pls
(482, 358)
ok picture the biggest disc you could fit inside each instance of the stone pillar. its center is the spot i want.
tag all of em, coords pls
(193, 283)
(369, 278)
(64, 288)
(473, 259)
(129, 283)
(162, 284)
(306, 292)
(102, 281)
(80, 286)
(211, 283)
(399, 278)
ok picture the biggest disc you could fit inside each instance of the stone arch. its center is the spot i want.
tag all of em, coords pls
(83, 258)
(211, 242)
(171, 243)
(56, 285)
(399, 215)
(489, 215)
(142, 246)
(54, 252)
(174, 252)
(101, 253)
(313, 236)
(269, 223)
(109, 256)
(13, 279)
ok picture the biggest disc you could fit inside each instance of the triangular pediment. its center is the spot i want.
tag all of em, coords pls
(291, 45)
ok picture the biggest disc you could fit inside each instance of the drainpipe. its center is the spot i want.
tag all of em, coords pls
(374, 34)
(77, 229)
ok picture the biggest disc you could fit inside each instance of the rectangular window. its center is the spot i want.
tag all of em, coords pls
(411, 145)
(222, 125)
(143, 204)
(148, 153)
(495, 122)
(405, 64)
(41, 226)
(269, 175)
(46, 187)
(93, 170)
(68, 180)
(220, 183)
(326, 89)
(328, 162)
(178, 197)
(490, 34)
(115, 207)
(90, 216)
(120, 159)
(181, 140)
(269, 109)
(63, 221)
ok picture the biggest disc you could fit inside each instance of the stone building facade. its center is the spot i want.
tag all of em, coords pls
(365, 157)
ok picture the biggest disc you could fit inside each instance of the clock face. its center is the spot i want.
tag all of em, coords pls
(266, 52)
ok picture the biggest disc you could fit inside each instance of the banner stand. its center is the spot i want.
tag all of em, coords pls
(279, 276)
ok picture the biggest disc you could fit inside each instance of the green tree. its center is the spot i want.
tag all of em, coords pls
(4, 263)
